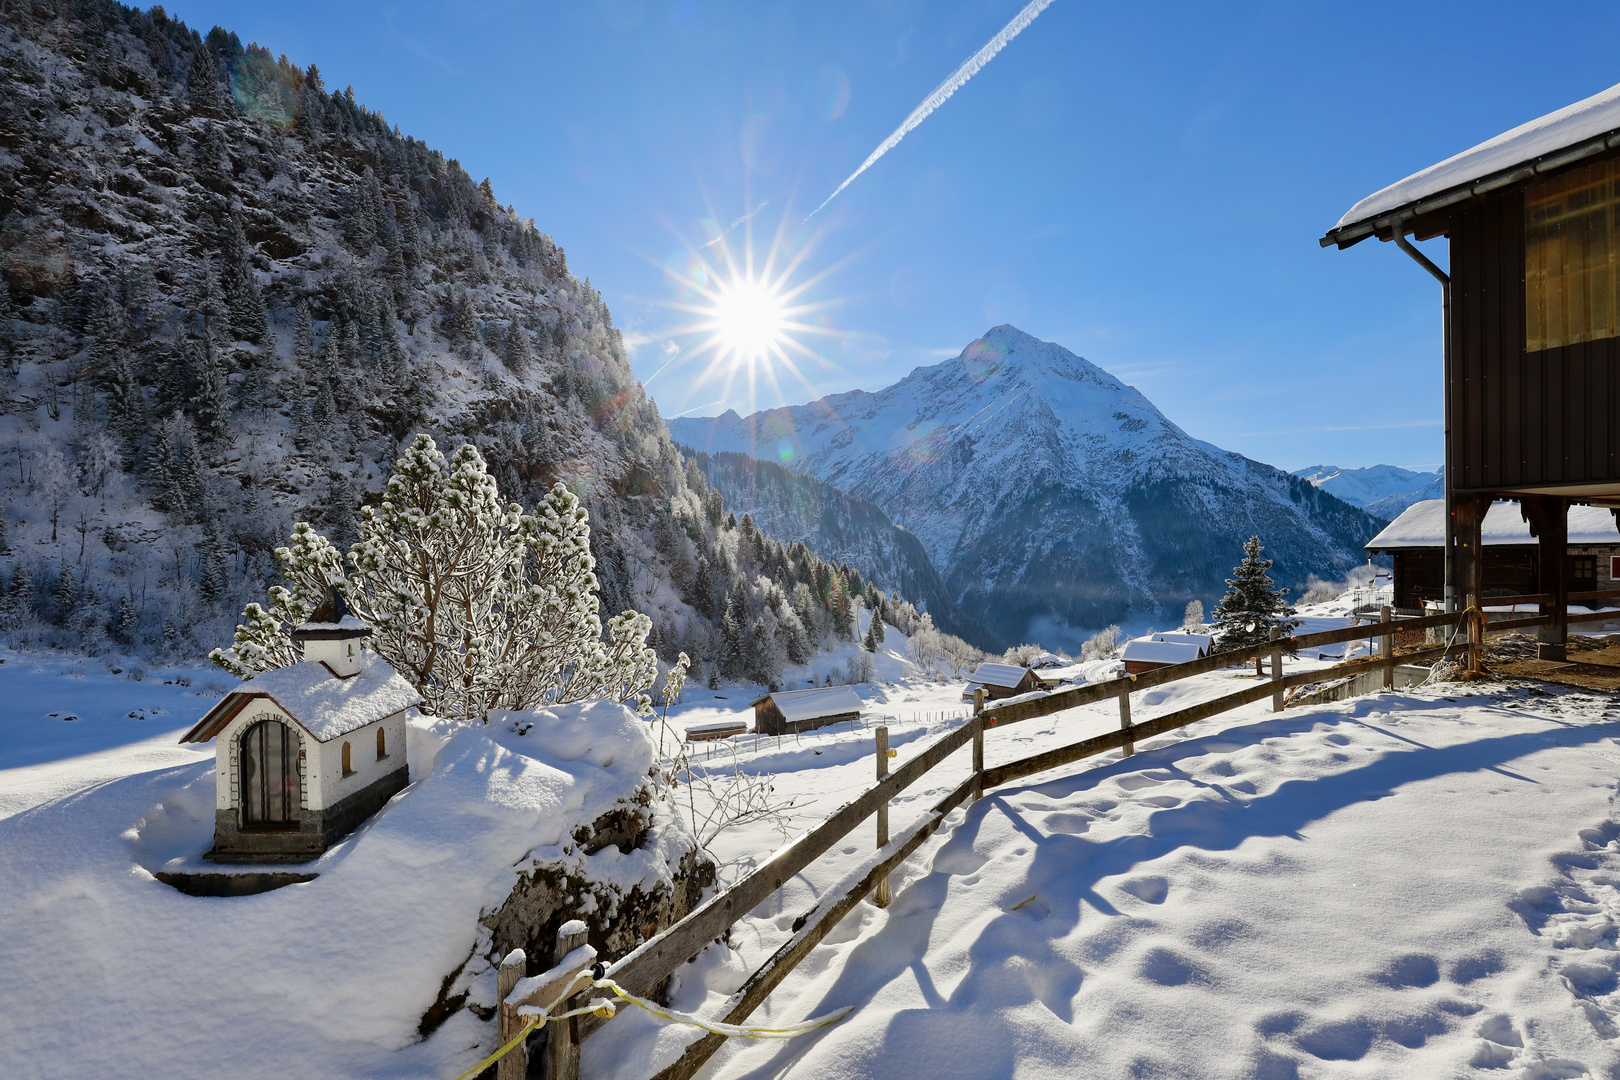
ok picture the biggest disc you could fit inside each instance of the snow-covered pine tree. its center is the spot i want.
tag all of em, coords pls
(1252, 605)
(244, 307)
(479, 605)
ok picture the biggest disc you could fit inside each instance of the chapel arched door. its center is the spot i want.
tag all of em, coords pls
(272, 790)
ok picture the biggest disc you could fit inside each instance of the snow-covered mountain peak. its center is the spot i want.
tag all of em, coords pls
(1042, 486)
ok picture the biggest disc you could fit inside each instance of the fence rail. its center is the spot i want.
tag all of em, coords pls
(645, 970)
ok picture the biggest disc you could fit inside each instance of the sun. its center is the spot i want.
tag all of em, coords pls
(750, 320)
(749, 314)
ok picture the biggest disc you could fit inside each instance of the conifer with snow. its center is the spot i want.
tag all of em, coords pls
(479, 605)
(1252, 605)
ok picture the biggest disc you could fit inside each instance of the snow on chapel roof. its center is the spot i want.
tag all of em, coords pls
(1423, 525)
(1543, 144)
(1147, 650)
(324, 705)
(797, 705)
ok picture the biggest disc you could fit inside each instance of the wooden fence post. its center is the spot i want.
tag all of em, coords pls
(1476, 634)
(1386, 645)
(880, 895)
(1125, 713)
(515, 1065)
(562, 1036)
(978, 756)
(1276, 671)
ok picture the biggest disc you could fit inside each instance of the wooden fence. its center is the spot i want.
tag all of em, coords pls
(644, 971)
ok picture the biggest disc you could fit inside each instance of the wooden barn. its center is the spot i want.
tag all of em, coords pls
(1004, 680)
(788, 711)
(1510, 555)
(1531, 313)
(1146, 653)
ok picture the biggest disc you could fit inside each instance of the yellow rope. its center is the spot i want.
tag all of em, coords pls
(605, 1009)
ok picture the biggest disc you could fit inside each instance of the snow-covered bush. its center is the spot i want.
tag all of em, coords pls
(1022, 655)
(1102, 645)
(1318, 591)
(479, 605)
(1193, 617)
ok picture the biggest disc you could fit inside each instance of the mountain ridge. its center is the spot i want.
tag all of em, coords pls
(1046, 489)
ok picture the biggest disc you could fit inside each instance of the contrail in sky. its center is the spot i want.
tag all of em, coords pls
(748, 215)
(945, 89)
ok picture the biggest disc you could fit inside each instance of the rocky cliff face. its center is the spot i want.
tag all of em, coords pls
(1052, 497)
(841, 527)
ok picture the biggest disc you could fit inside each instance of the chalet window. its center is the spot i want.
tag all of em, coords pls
(1572, 258)
(1614, 567)
(271, 787)
(1582, 573)
(348, 768)
(382, 744)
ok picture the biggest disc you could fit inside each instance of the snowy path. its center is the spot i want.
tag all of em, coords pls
(1406, 885)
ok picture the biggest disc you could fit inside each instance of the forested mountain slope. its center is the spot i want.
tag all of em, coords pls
(839, 526)
(230, 294)
(1051, 496)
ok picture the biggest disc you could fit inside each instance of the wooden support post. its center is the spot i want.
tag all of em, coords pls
(978, 700)
(1386, 644)
(978, 757)
(562, 1036)
(515, 1065)
(1548, 518)
(880, 895)
(1276, 671)
(1125, 713)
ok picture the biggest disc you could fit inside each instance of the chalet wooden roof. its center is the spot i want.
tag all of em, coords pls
(1581, 130)
(799, 705)
(1002, 675)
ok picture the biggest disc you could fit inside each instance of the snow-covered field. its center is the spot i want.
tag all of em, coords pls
(1414, 884)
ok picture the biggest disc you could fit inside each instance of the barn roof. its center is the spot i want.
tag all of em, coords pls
(1160, 652)
(797, 705)
(1546, 143)
(1007, 675)
(1203, 641)
(324, 705)
(1423, 525)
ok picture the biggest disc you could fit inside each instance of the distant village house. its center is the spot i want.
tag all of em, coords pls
(787, 712)
(1163, 650)
(1004, 680)
(1510, 554)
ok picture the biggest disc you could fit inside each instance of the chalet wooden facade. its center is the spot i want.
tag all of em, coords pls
(1510, 555)
(1004, 680)
(787, 712)
(1531, 313)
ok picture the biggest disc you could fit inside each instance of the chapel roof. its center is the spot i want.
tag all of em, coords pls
(797, 705)
(322, 704)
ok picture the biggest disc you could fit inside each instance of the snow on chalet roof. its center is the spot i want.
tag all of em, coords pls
(1541, 145)
(1203, 641)
(1007, 675)
(797, 705)
(1160, 652)
(324, 705)
(1423, 525)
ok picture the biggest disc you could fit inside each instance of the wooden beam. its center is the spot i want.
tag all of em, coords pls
(880, 895)
(515, 1065)
(562, 1036)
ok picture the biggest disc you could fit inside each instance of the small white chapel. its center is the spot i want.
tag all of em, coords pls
(305, 753)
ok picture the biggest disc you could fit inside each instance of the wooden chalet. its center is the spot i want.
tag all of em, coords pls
(787, 712)
(1004, 680)
(1531, 314)
(1146, 653)
(1510, 554)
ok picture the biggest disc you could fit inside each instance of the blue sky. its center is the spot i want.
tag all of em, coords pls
(1142, 183)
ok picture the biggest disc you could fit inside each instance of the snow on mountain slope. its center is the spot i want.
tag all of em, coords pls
(1052, 497)
(1381, 490)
